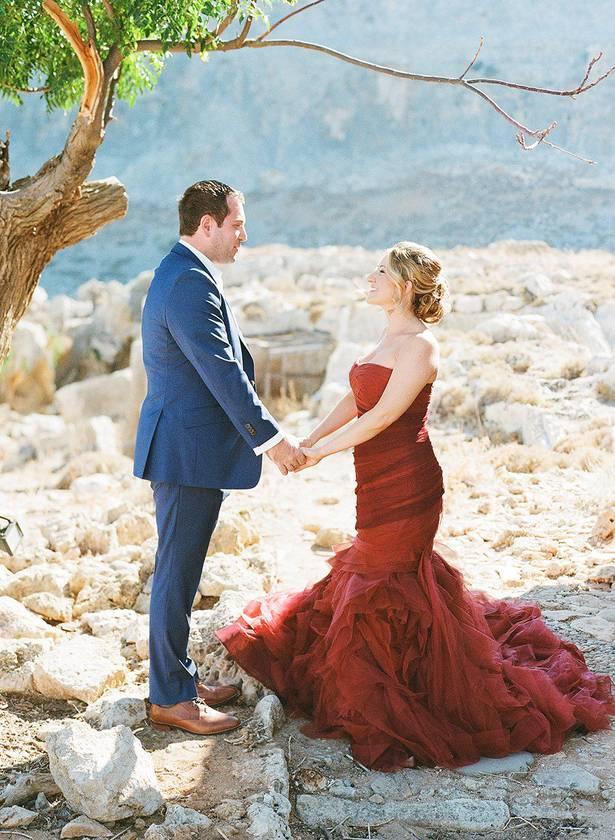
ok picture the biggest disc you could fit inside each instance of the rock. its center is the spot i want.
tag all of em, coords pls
(120, 587)
(95, 434)
(604, 528)
(84, 827)
(567, 777)
(38, 578)
(537, 286)
(115, 708)
(135, 528)
(81, 667)
(605, 316)
(178, 815)
(507, 327)
(17, 663)
(600, 628)
(51, 607)
(230, 810)
(28, 786)
(274, 773)
(41, 803)
(514, 763)
(109, 395)
(15, 816)
(233, 533)
(105, 775)
(226, 571)
(268, 818)
(467, 303)
(91, 463)
(115, 623)
(534, 426)
(330, 537)
(604, 574)
(176, 818)
(28, 381)
(448, 813)
(269, 715)
(17, 622)
(90, 487)
(209, 653)
(566, 315)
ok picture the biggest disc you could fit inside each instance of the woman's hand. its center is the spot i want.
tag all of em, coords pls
(308, 442)
(312, 454)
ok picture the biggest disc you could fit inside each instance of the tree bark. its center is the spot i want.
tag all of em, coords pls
(26, 248)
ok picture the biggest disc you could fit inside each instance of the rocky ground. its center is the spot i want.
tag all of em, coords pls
(522, 422)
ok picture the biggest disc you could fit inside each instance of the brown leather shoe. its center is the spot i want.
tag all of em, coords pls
(191, 716)
(216, 695)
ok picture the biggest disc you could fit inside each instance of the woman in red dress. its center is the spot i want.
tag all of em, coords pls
(390, 648)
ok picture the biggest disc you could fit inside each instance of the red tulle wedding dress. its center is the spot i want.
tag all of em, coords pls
(391, 650)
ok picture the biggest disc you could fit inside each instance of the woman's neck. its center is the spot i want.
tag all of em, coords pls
(399, 322)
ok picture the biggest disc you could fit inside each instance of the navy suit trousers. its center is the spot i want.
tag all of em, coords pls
(185, 518)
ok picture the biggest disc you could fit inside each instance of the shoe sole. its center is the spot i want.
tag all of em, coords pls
(168, 727)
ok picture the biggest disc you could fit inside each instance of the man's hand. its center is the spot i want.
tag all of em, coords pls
(286, 457)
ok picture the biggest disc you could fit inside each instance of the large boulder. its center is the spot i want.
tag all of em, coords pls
(109, 394)
(79, 668)
(17, 622)
(105, 775)
(17, 658)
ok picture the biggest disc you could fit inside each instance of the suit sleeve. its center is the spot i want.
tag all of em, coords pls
(195, 320)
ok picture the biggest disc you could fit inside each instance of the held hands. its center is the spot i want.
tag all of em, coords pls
(287, 456)
(312, 457)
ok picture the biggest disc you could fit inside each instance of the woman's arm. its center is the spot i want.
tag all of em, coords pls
(415, 365)
(344, 412)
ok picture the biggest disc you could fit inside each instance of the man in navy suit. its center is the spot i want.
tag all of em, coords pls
(202, 431)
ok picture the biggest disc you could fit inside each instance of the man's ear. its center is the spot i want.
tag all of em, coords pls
(206, 224)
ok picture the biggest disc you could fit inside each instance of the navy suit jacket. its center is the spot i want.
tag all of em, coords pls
(201, 419)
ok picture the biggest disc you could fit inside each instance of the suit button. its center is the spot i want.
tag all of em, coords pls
(251, 429)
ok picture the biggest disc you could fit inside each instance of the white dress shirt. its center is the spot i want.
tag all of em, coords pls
(216, 273)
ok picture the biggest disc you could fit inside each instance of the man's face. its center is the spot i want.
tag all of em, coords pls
(225, 240)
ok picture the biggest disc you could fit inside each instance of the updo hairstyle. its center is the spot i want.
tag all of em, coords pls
(417, 264)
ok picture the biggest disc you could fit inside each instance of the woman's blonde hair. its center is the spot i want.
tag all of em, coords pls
(417, 264)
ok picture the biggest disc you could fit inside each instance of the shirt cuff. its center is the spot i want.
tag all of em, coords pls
(269, 443)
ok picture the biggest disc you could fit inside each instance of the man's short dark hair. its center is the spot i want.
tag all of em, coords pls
(204, 197)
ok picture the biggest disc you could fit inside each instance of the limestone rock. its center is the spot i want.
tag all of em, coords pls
(269, 715)
(15, 816)
(233, 533)
(37, 578)
(114, 622)
(52, 607)
(514, 763)
(210, 654)
(506, 327)
(90, 463)
(600, 628)
(115, 708)
(17, 622)
(82, 667)
(226, 571)
(568, 777)
(135, 528)
(268, 820)
(95, 434)
(84, 827)
(176, 818)
(28, 380)
(28, 786)
(108, 394)
(329, 537)
(105, 775)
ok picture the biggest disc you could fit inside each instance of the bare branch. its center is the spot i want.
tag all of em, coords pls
(480, 46)
(288, 17)
(572, 92)
(524, 132)
(86, 53)
(89, 21)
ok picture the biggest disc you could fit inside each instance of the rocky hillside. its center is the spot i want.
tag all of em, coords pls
(356, 158)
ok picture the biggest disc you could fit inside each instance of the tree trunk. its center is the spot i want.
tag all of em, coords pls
(25, 249)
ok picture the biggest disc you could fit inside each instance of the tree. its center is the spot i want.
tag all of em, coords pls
(90, 54)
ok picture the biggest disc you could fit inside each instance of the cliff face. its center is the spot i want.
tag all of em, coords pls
(328, 153)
